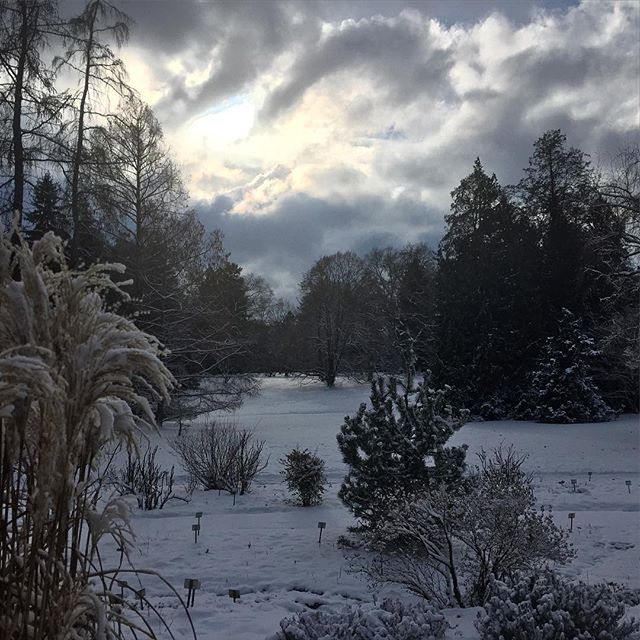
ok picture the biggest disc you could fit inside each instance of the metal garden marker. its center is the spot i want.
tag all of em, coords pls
(234, 498)
(590, 474)
(574, 482)
(321, 526)
(235, 594)
(198, 515)
(123, 584)
(196, 530)
(141, 594)
(571, 517)
(191, 584)
(628, 483)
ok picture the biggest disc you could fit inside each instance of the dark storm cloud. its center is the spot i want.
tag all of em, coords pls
(397, 53)
(301, 229)
(446, 11)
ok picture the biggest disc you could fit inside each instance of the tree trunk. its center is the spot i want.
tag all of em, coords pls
(18, 148)
(77, 160)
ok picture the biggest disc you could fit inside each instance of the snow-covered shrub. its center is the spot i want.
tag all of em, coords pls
(447, 545)
(418, 549)
(561, 389)
(304, 474)
(627, 595)
(146, 479)
(221, 456)
(391, 620)
(500, 526)
(545, 606)
(396, 448)
(67, 366)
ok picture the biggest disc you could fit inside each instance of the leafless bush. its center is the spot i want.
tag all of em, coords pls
(221, 456)
(449, 544)
(148, 481)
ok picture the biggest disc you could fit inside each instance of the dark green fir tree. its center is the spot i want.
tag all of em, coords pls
(47, 212)
(396, 449)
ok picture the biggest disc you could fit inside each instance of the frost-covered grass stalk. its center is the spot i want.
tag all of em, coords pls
(73, 377)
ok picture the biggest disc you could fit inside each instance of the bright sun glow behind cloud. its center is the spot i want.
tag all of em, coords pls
(230, 123)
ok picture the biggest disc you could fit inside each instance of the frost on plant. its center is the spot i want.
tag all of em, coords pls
(546, 606)
(448, 544)
(73, 377)
(392, 619)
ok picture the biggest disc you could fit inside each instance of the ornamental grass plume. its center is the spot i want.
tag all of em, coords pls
(74, 377)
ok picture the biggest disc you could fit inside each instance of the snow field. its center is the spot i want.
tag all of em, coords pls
(268, 549)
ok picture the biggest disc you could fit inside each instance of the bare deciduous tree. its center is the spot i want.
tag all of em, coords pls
(32, 110)
(101, 73)
(331, 315)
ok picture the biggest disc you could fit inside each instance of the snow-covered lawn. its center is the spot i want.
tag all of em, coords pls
(269, 551)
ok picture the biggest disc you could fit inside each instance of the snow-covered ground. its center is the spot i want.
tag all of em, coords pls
(268, 549)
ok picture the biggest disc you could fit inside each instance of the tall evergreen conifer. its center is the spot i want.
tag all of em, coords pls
(47, 213)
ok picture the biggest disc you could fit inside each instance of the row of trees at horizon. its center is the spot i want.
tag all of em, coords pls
(518, 267)
(529, 307)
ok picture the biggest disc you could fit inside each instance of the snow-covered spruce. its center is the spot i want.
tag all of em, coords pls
(304, 475)
(545, 606)
(391, 620)
(562, 389)
(67, 366)
(396, 448)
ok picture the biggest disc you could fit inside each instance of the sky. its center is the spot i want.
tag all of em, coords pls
(309, 127)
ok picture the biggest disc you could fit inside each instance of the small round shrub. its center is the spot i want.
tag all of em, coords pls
(391, 620)
(546, 606)
(304, 474)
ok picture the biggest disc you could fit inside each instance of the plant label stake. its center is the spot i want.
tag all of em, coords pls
(574, 482)
(123, 584)
(234, 498)
(198, 515)
(628, 483)
(235, 594)
(321, 526)
(571, 517)
(196, 530)
(590, 474)
(141, 594)
(191, 584)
